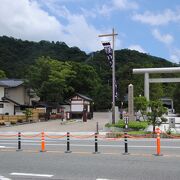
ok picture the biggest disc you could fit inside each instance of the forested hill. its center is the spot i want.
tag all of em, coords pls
(16, 55)
(93, 73)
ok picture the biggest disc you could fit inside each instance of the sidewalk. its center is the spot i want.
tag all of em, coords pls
(56, 126)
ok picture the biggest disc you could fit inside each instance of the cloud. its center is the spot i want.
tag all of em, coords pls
(137, 48)
(158, 19)
(28, 20)
(164, 38)
(115, 5)
(125, 4)
(175, 55)
(24, 19)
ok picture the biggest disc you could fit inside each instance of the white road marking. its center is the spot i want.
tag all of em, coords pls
(4, 178)
(5, 147)
(31, 174)
(91, 145)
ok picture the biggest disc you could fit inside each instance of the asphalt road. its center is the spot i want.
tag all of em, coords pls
(87, 166)
(110, 163)
(82, 164)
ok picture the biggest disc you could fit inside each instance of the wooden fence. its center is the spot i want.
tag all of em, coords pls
(13, 119)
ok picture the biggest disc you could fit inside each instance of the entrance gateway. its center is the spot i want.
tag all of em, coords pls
(147, 80)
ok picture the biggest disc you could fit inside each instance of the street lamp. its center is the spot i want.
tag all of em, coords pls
(113, 72)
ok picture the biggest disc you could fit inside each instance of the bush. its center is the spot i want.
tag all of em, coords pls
(13, 122)
(135, 125)
(113, 135)
(2, 123)
(20, 121)
(138, 125)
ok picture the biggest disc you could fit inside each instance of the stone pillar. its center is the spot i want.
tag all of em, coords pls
(131, 102)
(146, 86)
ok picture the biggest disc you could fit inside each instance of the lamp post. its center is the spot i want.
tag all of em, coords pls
(113, 72)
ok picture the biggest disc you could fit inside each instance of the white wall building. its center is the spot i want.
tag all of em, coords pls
(14, 96)
(80, 103)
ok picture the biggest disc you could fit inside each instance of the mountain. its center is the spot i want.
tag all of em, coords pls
(16, 56)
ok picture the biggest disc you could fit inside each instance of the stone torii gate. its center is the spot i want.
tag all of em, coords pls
(147, 80)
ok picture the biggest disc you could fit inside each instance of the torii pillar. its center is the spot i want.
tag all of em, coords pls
(147, 71)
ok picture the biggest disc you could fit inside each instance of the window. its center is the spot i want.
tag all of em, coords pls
(1, 105)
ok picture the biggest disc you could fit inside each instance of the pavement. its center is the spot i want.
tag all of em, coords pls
(58, 126)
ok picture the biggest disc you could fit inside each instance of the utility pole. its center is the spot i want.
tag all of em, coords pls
(113, 72)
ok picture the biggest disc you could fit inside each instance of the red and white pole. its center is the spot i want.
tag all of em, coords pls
(158, 142)
(42, 142)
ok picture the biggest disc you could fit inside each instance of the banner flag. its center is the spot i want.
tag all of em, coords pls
(116, 90)
(109, 52)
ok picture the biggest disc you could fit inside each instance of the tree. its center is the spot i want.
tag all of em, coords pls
(28, 113)
(155, 114)
(154, 110)
(177, 99)
(87, 82)
(2, 74)
(50, 79)
(141, 104)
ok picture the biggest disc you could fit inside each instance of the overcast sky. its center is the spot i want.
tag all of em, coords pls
(150, 26)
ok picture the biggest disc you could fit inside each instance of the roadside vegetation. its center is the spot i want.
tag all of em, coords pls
(151, 113)
(132, 125)
(56, 71)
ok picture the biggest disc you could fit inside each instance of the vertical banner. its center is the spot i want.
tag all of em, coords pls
(109, 53)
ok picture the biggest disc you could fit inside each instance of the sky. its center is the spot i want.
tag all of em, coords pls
(148, 26)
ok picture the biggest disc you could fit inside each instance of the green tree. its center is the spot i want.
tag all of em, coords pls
(2, 74)
(50, 79)
(177, 99)
(155, 114)
(87, 82)
(141, 104)
(156, 91)
(103, 98)
(28, 113)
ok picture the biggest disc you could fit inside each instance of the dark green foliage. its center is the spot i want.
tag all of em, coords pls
(16, 55)
(93, 76)
(154, 110)
(155, 115)
(2, 74)
(177, 99)
(134, 125)
(51, 79)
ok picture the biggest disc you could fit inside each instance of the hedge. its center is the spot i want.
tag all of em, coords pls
(135, 125)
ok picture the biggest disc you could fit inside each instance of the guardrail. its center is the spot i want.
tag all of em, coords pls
(43, 136)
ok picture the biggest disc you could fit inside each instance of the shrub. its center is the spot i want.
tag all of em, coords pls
(113, 135)
(2, 123)
(135, 125)
(138, 125)
(13, 122)
(20, 121)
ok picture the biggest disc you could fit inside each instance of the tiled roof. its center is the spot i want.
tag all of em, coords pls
(5, 98)
(11, 82)
(84, 97)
